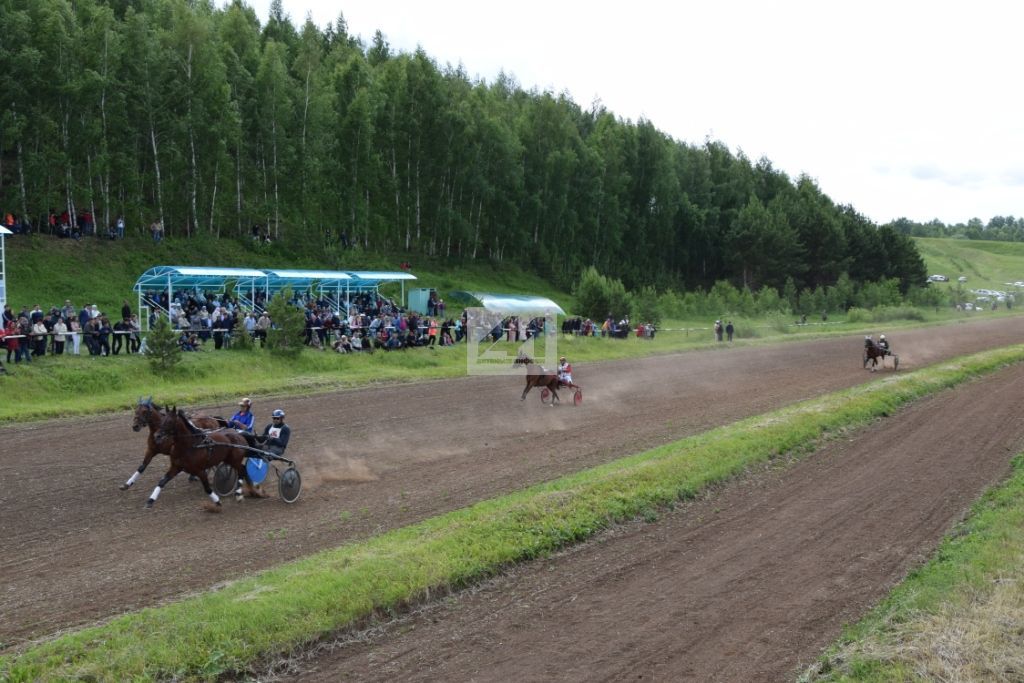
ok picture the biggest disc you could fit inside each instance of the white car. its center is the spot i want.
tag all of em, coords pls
(962, 278)
(939, 278)
(968, 306)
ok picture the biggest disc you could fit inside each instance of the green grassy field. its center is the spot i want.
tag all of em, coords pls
(47, 271)
(987, 265)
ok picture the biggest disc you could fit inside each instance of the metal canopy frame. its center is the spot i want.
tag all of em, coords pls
(174, 278)
(270, 281)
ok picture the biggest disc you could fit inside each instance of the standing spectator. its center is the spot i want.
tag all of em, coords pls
(25, 340)
(59, 330)
(220, 324)
(120, 331)
(432, 332)
(8, 315)
(134, 332)
(76, 335)
(157, 230)
(729, 329)
(103, 331)
(126, 310)
(249, 324)
(68, 312)
(39, 338)
(11, 332)
(262, 325)
(718, 330)
(120, 227)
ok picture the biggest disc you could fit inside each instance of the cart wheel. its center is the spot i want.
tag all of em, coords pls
(545, 394)
(577, 398)
(865, 359)
(895, 362)
(225, 479)
(289, 484)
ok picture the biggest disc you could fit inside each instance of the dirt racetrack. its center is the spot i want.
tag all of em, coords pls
(75, 549)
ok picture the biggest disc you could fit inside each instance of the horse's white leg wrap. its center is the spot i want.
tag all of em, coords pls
(155, 494)
(214, 497)
(132, 479)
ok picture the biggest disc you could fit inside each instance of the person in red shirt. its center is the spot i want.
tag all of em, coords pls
(564, 371)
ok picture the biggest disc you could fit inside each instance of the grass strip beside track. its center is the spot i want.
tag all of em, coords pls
(957, 618)
(270, 614)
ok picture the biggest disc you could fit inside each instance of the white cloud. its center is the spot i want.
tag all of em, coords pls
(900, 109)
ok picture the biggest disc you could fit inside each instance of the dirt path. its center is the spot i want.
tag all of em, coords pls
(749, 584)
(74, 549)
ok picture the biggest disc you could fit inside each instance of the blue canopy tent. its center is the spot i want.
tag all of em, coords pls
(326, 283)
(196, 278)
(371, 280)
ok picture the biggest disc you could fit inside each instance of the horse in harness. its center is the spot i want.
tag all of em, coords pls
(149, 414)
(194, 450)
(873, 352)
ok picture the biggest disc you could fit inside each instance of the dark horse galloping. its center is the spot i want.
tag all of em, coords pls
(195, 450)
(149, 414)
(537, 376)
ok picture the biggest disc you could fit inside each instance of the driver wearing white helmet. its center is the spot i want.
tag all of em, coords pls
(564, 371)
(883, 343)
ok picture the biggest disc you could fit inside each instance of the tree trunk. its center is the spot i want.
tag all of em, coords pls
(213, 196)
(277, 200)
(21, 164)
(156, 170)
(194, 189)
(238, 184)
(105, 178)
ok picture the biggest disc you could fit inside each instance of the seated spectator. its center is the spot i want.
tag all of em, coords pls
(188, 341)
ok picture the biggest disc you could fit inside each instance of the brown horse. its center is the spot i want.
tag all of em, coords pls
(149, 414)
(537, 376)
(195, 451)
(873, 352)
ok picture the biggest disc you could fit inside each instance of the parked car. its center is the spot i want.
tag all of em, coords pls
(962, 278)
(939, 278)
(968, 306)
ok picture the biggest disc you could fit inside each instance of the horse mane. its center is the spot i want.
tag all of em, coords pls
(191, 427)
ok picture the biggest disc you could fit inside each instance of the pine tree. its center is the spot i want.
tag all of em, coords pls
(285, 337)
(162, 348)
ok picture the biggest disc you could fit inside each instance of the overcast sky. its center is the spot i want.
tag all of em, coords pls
(899, 108)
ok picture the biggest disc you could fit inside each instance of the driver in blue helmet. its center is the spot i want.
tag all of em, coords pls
(276, 434)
